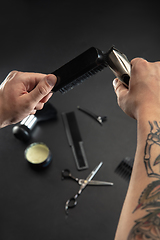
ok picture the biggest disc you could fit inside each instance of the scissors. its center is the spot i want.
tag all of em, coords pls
(72, 202)
(67, 174)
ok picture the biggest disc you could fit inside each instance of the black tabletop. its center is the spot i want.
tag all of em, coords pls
(41, 36)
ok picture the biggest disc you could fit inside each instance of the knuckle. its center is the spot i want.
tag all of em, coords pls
(157, 65)
(139, 65)
(139, 61)
(134, 60)
(43, 90)
(12, 74)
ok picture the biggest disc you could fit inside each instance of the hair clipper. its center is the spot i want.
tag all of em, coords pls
(119, 64)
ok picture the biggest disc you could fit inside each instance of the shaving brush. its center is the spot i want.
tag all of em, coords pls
(24, 129)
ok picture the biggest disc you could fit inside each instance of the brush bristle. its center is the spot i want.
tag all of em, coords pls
(82, 78)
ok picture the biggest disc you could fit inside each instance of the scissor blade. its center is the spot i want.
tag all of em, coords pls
(94, 182)
(89, 178)
(92, 174)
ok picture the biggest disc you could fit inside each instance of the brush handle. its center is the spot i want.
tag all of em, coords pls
(24, 129)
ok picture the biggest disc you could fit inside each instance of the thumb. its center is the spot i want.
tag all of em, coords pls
(43, 88)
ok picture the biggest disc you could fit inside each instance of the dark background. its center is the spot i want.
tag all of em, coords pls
(41, 36)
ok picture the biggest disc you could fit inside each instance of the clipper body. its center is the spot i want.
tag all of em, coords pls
(119, 65)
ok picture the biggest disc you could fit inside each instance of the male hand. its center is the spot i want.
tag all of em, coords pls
(143, 95)
(23, 93)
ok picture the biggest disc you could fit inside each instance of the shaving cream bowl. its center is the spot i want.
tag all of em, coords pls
(38, 155)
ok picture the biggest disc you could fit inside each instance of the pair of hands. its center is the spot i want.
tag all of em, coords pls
(22, 93)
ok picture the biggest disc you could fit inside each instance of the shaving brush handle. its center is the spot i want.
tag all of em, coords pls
(24, 129)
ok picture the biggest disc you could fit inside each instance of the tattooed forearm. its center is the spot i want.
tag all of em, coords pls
(150, 196)
(152, 145)
(148, 227)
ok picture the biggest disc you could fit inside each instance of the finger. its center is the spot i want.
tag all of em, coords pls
(39, 106)
(46, 98)
(120, 90)
(33, 112)
(118, 86)
(42, 89)
(139, 68)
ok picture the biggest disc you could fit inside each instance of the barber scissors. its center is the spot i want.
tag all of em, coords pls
(66, 174)
(72, 202)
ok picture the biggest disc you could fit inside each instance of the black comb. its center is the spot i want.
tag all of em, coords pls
(124, 169)
(87, 64)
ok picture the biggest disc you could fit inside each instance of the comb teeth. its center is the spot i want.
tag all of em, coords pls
(124, 169)
(82, 78)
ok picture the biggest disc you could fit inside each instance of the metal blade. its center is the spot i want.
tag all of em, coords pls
(89, 178)
(92, 174)
(94, 182)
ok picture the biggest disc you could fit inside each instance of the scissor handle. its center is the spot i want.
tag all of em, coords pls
(72, 202)
(66, 173)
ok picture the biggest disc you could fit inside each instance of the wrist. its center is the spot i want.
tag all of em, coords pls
(148, 112)
(147, 122)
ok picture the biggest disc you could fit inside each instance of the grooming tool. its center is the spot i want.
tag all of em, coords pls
(38, 155)
(66, 174)
(24, 129)
(119, 64)
(89, 63)
(99, 119)
(72, 202)
(124, 169)
(75, 140)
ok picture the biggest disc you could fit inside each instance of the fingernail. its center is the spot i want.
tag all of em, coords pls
(51, 80)
(115, 81)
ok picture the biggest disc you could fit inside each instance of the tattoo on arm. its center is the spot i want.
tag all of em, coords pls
(148, 227)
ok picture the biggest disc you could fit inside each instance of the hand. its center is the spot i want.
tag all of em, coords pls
(143, 95)
(22, 94)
